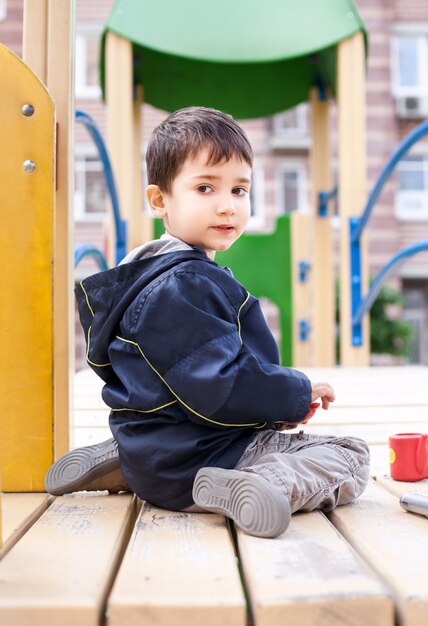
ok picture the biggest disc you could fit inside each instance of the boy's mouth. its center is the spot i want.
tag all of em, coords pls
(224, 227)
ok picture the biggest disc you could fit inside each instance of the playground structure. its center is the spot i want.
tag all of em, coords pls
(80, 541)
(296, 259)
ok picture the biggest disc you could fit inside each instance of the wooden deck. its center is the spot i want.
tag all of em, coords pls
(92, 559)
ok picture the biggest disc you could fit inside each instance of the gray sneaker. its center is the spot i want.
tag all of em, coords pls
(92, 468)
(254, 504)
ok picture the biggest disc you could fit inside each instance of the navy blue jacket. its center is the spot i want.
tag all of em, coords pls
(190, 366)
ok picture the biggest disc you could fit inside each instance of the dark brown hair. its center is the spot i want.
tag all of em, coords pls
(184, 133)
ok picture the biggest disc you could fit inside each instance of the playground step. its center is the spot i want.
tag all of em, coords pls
(89, 560)
(61, 570)
(179, 569)
(310, 575)
(19, 511)
(395, 543)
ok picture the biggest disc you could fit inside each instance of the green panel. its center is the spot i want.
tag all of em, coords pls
(262, 263)
(190, 53)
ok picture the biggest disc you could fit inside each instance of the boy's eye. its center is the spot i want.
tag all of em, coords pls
(204, 188)
(240, 191)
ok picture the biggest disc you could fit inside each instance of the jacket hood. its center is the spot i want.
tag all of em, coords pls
(104, 297)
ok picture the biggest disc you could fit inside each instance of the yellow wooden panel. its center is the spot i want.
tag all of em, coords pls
(61, 570)
(179, 570)
(308, 576)
(396, 545)
(26, 236)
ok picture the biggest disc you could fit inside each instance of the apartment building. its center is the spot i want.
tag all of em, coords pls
(396, 101)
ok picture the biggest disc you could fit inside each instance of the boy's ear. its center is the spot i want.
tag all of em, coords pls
(155, 198)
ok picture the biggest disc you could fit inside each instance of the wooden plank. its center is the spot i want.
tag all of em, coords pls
(61, 570)
(398, 416)
(19, 511)
(372, 433)
(322, 274)
(379, 459)
(398, 487)
(179, 569)
(310, 576)
(90, 411)
(60, 82)
(352, 184)
(88, 436)
(375, 386)
(395, 544)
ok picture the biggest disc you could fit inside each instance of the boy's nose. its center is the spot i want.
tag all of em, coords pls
(226, 206)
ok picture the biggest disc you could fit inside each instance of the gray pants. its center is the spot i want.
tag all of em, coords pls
(314, 471)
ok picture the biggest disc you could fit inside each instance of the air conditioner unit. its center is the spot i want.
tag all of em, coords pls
(412, 107)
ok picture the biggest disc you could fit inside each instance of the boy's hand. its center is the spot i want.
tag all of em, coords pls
(322, 391)
(325, 392)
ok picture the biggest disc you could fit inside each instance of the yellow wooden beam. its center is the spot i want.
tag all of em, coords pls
(27, 128)
(322, 275)
(352, 183)
(60, 82)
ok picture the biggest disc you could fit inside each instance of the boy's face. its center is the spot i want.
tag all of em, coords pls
(208, 206)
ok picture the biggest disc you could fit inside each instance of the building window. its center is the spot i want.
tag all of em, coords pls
(292, 122)
(414, 313)
(291, 188)
(88, 39)
(257, 199)
(410, 71)
(90, 189)
(411, 199)
(410, 64)
(3, 10)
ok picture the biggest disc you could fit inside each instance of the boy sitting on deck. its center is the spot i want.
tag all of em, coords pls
(191, 370)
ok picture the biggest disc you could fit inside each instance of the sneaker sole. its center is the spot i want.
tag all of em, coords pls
(255, 505)
(76, 469)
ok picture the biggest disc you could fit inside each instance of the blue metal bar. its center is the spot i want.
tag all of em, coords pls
(85, 250)
(355, 263)
(120, 225)
(382, 276)
(403, 147)
(323, 199)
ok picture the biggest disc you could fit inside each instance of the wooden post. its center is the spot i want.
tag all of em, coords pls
(322, 274)
(352, 184)
(34, 40)
(124, 136)
(60, 82)
(144, 224)
(301, 250)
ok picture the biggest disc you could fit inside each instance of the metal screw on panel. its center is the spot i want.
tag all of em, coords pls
(29, 166)
(27, 110)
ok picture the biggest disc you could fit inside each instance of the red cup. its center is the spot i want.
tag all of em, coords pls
(408, 456)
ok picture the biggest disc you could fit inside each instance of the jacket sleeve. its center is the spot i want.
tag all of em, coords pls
(188, 331)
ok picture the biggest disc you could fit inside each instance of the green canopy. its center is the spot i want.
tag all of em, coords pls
(246, 57)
